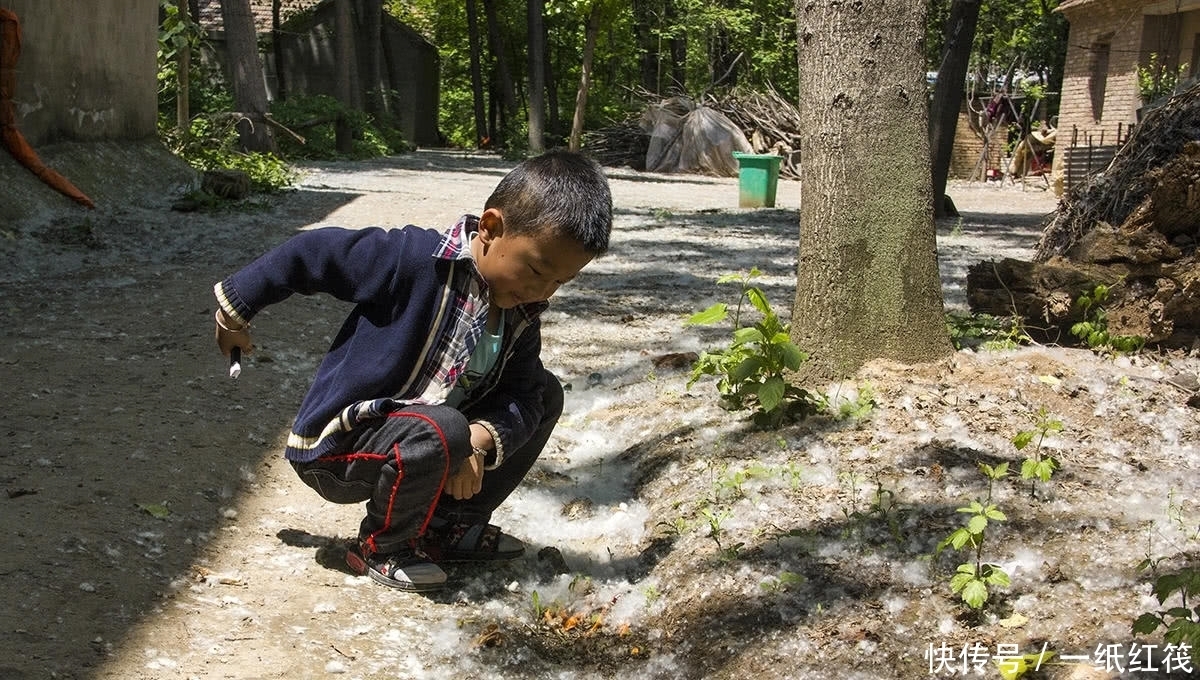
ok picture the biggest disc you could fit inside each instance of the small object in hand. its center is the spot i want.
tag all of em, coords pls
(235, 362)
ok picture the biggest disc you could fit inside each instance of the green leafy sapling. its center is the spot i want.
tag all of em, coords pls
(1093, 329)
(1037, 466)
(751, 369)
(1182, 622)
(974, 579)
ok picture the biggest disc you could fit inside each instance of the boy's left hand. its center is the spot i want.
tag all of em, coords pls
(468, 480)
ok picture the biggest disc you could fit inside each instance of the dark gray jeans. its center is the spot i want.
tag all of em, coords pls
(397, 464)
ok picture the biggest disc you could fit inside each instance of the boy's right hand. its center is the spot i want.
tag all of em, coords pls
(467, 480)
(229, 335)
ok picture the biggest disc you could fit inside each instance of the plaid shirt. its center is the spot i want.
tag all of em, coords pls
(420, 308)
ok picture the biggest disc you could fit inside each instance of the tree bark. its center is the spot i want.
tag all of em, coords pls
(948, 94)
(502, 75)
(585, 75)
(481, 128)
(535, 16)
(867, 284)
(246, 76)
(344, 47)
(183, 112)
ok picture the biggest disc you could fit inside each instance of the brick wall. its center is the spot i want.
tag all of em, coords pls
(968, 147)
(1119, 25)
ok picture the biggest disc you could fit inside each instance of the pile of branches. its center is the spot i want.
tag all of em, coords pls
(619, 144)
(1111, 196)
(770, 123)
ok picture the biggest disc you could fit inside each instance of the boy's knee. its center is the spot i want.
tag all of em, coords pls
(447, 422)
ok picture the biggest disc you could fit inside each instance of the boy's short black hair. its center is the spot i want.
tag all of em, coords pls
(559, 192)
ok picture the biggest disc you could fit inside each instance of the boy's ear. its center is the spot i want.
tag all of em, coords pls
(491, 224)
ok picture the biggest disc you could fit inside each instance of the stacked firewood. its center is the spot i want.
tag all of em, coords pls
(770, 123)
(619, 144)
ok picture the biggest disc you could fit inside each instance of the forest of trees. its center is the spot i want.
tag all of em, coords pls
(664, 47)
(514, 72)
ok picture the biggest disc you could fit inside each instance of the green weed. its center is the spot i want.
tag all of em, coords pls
(1037, 466)
(1182, 622)
(974, 580)
(1092, 331)
(786, 580)
(752, 368)
(883, 508)
(984, 331)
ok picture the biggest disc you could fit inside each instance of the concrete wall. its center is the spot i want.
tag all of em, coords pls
(86, 70)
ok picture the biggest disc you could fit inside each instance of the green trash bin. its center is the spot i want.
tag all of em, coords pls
(758, 177)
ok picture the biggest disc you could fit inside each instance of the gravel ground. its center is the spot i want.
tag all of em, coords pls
(154, 531)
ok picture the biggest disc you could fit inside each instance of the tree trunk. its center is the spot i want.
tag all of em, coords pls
(678, 47)
(502, 74)
(535, 16)
(722, 59)
(553, 119)
(948, 94)
(246, 76)
(585, 75)
(371, 36)
(277, 49)
(344, 63)
(867, 284)
(647, 44)
(183, 113)
(481, 127)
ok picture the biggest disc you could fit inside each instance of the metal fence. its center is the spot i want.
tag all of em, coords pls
(1088, 153)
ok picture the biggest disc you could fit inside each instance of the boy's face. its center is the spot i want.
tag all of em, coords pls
(522, 268)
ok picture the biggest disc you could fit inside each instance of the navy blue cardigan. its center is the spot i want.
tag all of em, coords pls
(410, 288)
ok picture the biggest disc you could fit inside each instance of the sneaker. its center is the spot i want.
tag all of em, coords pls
(406, 569)
(458, 542)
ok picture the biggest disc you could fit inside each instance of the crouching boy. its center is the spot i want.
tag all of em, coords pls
(432, 403)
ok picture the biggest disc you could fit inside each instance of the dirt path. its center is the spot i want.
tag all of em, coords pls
(153, 531)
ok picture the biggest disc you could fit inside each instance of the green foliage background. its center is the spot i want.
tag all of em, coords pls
(1013, 36)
